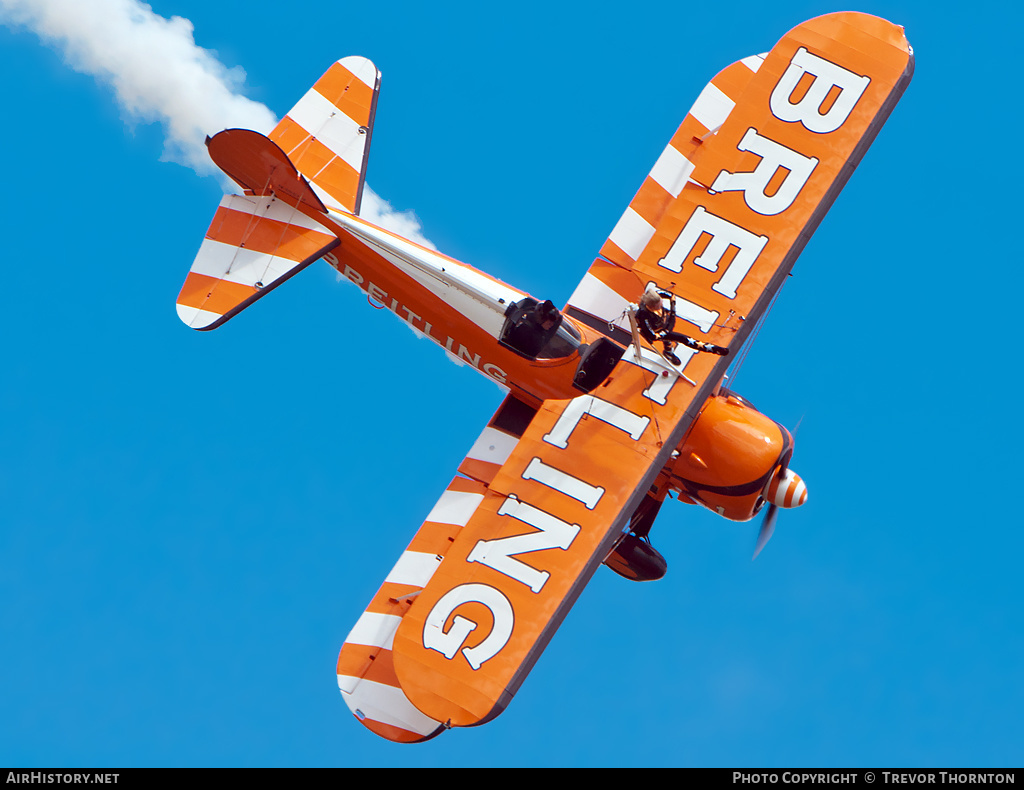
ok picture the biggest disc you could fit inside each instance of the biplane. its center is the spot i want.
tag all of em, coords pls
(599, 426)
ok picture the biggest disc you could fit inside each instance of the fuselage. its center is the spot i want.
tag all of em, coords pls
(461, 309)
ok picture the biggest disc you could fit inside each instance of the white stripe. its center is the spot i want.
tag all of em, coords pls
(362, 68)
(247, 267)
(753, 62)
(596, 297)
(415, 568)
(239, 265)
(672, 170)
(374, 630)
(712, 107)
(328, 124)
(632, 233)
(493, 446)
(274, 209)
(196, 318)
(386, 704)
(455, 507)
(799, 491)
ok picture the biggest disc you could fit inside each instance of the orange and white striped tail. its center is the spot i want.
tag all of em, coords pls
(327, 134)
(787, 490)
(253, 245)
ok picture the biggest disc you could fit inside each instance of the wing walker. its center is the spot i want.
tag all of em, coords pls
(614, 402)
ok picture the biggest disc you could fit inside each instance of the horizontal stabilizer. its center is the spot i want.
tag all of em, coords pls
(254, 244)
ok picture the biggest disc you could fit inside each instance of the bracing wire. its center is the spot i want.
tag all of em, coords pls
(750, 340)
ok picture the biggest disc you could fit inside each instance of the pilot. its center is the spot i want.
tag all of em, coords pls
(655, 324)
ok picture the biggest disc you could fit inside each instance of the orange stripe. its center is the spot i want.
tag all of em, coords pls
(346, 92)
(318, 162)
(338, 179)
(484, 471)
(733, 80)
(466, 486)
(289, 135)
(623, 281)
(266, 235)
(368, 663)
(391, 599)
(392, 733)
(434, 538)
(651, 201)
(614, 253)
(354, 660)
(698, 131)
(687, 139)
(209, 293)
(790, 491)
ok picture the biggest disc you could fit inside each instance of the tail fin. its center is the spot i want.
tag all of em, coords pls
(254, 244)
(259, 240)
(327, 134)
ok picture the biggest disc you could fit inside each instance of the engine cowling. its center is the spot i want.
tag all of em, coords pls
(733, 461)
(730, 459)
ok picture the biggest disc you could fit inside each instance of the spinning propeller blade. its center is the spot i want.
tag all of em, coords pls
(785, 489)
(767, 528)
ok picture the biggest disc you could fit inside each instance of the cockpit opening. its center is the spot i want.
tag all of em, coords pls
(537, 330)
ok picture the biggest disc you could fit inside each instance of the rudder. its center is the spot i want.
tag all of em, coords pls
(327, 134)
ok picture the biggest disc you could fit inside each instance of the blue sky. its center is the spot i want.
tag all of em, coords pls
(191, 522)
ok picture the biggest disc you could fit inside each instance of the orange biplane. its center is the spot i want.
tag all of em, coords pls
(599, 425)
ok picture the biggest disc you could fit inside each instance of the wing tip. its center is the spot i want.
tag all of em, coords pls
(198, 319)
(363, 69)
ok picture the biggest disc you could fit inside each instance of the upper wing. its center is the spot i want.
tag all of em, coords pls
(545, 493)
(327, 134)
(749, 174)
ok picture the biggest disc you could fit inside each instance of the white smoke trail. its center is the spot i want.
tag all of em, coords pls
(159, 74)
(405, 223)
(154, 66)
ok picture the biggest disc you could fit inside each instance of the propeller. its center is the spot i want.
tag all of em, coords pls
(785, 489)
(767, 528)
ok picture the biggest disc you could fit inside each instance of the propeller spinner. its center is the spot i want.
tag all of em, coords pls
(785, 489)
